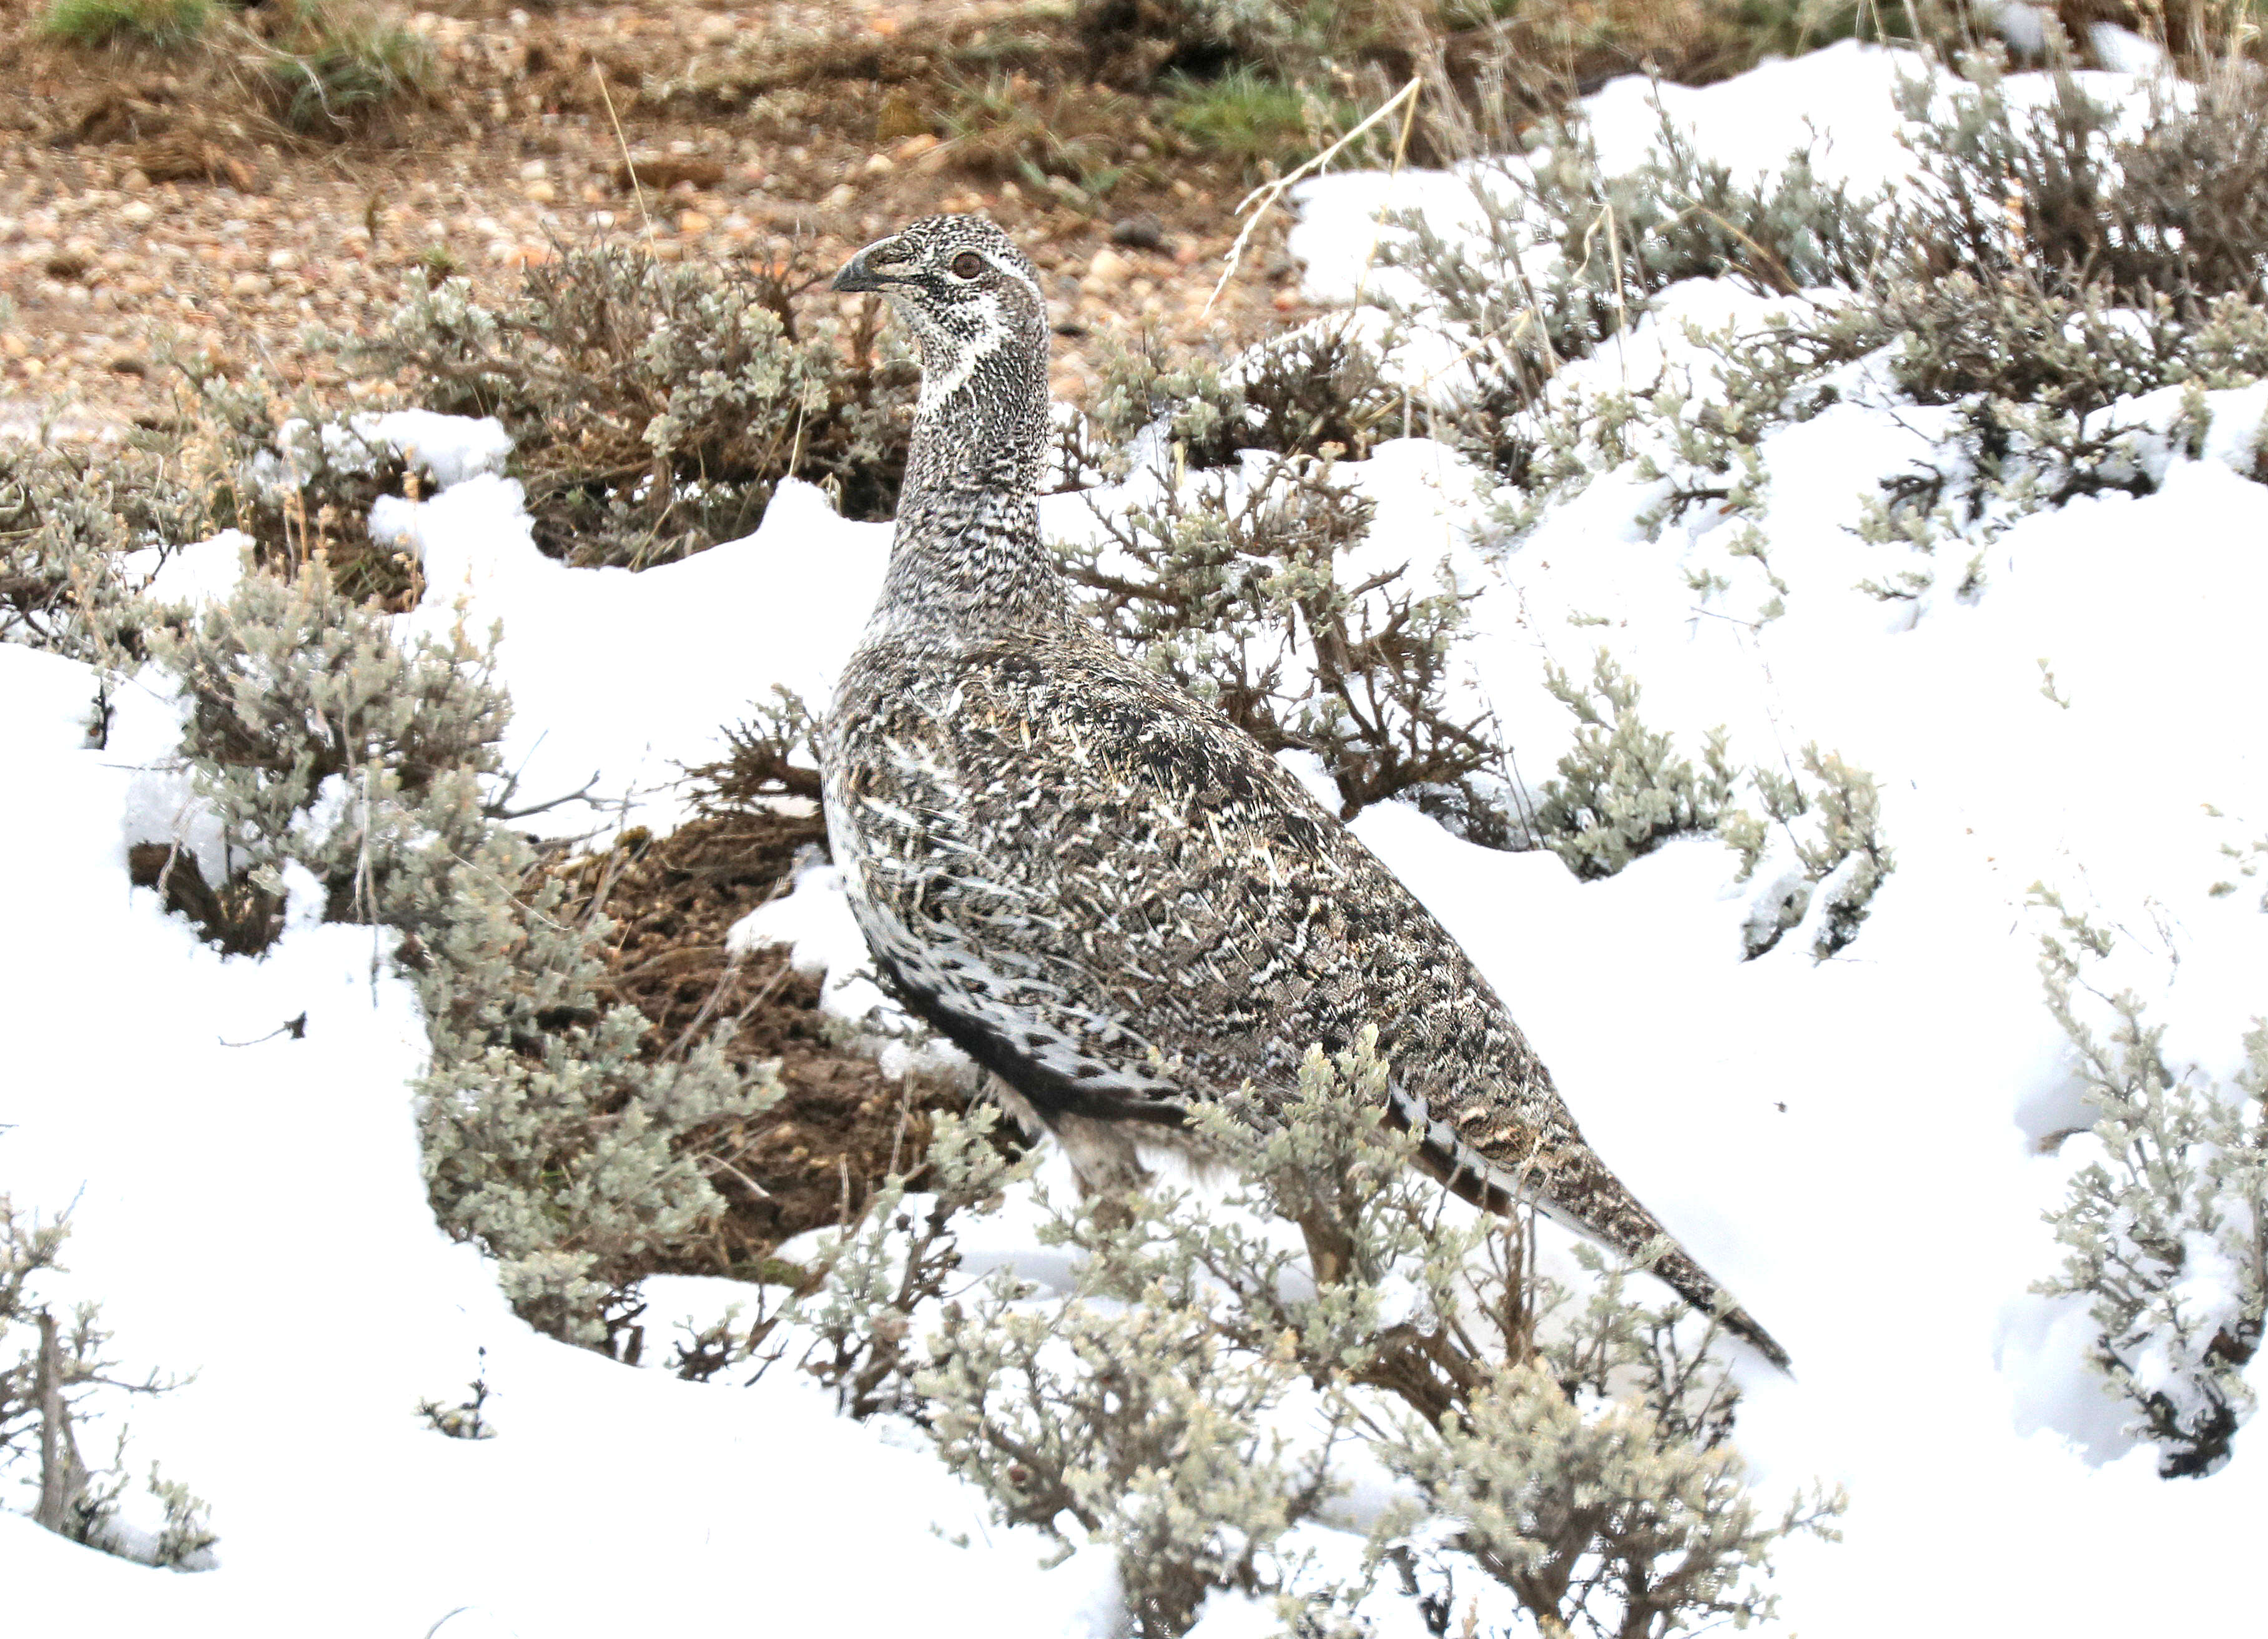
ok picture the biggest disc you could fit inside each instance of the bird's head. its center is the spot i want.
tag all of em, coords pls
(969, 296)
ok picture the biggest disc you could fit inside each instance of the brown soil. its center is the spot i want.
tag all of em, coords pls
(842, 1125)
(150, 209)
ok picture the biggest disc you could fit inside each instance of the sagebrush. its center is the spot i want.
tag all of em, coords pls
(58, 1379)
(2165, 1230)
(655, 406)
(1182, 1400)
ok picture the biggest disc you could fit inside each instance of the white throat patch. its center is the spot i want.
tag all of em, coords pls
(939, 385)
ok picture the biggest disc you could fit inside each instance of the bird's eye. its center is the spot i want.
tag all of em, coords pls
(967, 265)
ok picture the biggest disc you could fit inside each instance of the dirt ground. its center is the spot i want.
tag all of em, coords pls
(253, 237)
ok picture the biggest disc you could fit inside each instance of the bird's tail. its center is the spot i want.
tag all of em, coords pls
(1673, 1264)
(1593, 1203)
(1569, 1185)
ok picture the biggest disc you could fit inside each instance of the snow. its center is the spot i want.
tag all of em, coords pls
(1853, 1144)
(633, 677)
(447, 449)
(194, 573)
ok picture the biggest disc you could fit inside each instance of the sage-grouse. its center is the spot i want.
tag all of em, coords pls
(1102, 891)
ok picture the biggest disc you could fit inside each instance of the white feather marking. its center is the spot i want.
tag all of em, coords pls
(939, 386)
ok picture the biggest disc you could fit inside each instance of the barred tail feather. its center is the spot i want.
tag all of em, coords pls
(1609, 1216)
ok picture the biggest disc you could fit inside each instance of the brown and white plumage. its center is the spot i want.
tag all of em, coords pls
(1096, 886)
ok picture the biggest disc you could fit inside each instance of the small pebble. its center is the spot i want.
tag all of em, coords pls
(1109, 270)
(1139, 232)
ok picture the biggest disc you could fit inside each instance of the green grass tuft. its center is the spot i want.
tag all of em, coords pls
(338, 64)
(1249, 117)
(93, 24)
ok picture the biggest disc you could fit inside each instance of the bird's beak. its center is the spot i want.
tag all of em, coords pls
(857, 275)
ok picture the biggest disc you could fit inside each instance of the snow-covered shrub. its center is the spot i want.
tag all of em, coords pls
(655, 406)
(1182, 1401)
(1237, 586)
(1839, 857)
(1528, 303)
(341, 764)
(185, 1541)
(2250, 859)
(316, 741)
(1290, 395)
(555, 1134)
(1136, 1425)
(2036, 375)
(2049, 266)
(467, 1419)
(2052, 264)
(2018, 339)
(1602, 1522)
(55, 1376)
(66, 515)
(882, 1272)
(1624, 789)
(2166, 1233)
(300, 482)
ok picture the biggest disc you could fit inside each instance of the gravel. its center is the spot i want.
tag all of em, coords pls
(107, 278)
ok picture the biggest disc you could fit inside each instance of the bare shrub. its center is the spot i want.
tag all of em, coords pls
(56, 1377)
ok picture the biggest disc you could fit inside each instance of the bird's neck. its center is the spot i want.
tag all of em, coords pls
(967, 557)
